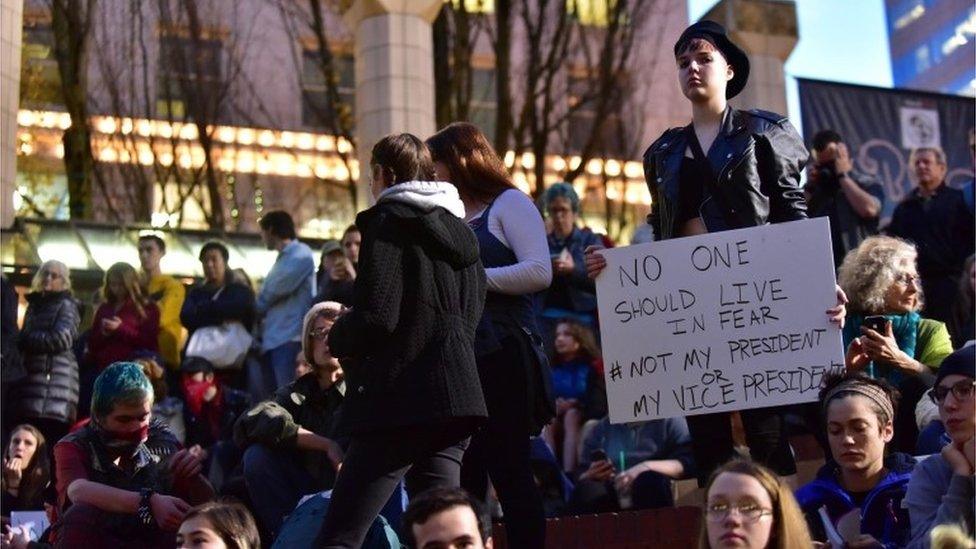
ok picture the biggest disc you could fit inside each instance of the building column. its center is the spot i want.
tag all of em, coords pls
(767, 31)
(11, 20)
(394, 73)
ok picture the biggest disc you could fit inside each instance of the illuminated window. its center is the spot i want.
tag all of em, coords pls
(189, 74)
(595, 13)
(474, 6)
(483, 101)
(40, 82)
(316, 111)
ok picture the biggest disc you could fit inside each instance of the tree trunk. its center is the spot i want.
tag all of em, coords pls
(70, 28)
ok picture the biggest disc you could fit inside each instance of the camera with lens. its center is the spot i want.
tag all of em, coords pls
(827, 177)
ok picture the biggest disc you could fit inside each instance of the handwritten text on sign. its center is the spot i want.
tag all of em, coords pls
(718, 322)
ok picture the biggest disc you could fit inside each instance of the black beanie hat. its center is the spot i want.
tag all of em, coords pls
(961, 362)
(717, 36)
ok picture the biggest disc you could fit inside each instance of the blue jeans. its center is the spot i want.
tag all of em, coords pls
(279, 365)
(275, 480)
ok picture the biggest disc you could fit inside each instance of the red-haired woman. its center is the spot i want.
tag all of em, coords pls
(515, 253)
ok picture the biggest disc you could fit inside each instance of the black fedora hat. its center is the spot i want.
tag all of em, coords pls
(716, 34)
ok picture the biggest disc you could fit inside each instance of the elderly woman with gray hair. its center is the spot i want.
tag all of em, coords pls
(48, 397)
(885, 335)
(572, 293)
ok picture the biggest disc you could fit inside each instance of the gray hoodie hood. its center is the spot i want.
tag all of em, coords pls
(426, 195)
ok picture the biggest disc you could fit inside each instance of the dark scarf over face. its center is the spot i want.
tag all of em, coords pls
(120, 444)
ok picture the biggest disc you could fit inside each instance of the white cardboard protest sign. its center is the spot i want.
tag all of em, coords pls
(718, 322)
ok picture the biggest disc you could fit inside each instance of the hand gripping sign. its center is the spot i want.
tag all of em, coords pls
(718, 322)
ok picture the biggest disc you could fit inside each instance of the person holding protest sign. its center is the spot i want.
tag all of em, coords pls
(747, 506)
(511, 362)
(859, 415)
(728, 169)
(885, 335)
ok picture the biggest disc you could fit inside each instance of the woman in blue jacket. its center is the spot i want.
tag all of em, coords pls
(858, 413)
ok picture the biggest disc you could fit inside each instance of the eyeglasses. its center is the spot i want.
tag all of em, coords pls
(962, 390)
(319, 334)
(909, 278)
(717, 512)
(53, 274)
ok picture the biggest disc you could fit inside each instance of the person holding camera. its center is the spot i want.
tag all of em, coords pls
(850, 199)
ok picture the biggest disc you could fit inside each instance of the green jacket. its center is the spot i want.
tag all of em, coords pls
(301, 403)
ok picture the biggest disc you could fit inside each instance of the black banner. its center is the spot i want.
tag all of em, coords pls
(882, 126)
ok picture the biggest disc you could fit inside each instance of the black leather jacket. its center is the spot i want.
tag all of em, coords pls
(757, 158)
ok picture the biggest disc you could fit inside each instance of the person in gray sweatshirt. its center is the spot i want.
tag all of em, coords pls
(941, 489)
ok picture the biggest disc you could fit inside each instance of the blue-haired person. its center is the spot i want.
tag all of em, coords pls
(123, 479)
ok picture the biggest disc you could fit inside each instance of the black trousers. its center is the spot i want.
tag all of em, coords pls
(427, 457)
(712, 444)
(501, 450)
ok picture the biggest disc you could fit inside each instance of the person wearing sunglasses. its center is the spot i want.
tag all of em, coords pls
(291, 451)
(747, 505)
(860, 475)
(941, 489)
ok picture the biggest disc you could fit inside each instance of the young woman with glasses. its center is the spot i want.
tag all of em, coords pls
(941, 489)
(746, 505)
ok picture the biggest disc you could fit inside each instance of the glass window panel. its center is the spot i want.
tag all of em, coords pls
(110, 245)
(59, 242)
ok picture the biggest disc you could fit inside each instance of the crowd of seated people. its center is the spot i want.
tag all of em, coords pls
(122, 433)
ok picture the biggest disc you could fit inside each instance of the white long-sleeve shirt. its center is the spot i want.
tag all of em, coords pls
(516, 223)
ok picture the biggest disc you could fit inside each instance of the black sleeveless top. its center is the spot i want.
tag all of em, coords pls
(694, 177)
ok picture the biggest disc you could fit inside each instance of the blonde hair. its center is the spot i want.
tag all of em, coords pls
(789, 527)
(870, 269)
(37, 283)
(130, 281)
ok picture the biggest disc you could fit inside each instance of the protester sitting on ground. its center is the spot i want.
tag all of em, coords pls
(446, 517)
(301, 365)
(48, 397)
(286, 294)
(122, 479)
(166, 408)
(858, 477)
(941, 489)
(881, 280)
(291, 450)
(633, 462)
(210, 411)
(167, 293)
(218, 525)
(962, 322)
(577, 384)
(572, 293)
(26, 470)
(746, 505)
(339, 277)
(128, 321)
